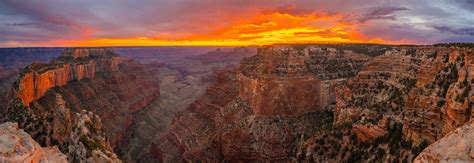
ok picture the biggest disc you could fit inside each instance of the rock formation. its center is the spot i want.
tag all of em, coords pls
(17, 146)
(73, 64)
(51, 99)
(219, 55)
(456, 146)
(321, 103)
(291, 81)
(441, 102)
(253, 113)
(288, 103)
(427, 90)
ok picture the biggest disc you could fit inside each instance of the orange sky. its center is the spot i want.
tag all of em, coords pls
(263, 29)
(231, 22)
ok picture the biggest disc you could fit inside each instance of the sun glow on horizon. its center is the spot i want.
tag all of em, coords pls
(262, 29)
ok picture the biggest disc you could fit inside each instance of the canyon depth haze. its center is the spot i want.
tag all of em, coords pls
(154, 81)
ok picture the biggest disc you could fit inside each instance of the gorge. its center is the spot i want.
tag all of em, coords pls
(289, 103)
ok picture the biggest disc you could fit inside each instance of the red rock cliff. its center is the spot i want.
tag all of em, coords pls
(428, 89)
(39, 78)
(259, 111)
(103, 84)
(282, 80)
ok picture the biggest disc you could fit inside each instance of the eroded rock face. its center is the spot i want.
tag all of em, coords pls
(49, 96)
(17, 146)
(382, 83)
(76, 134)
(253, 113)
(88, 142)
(74, 64)
(425, 88)
(77, 53)
(441, 101)
(286, 80)
(456, 146)
(368, 132)
(281, 97)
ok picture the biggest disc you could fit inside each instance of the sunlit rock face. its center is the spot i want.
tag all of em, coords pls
(73, 64)
(17, 146)
(76, 53)
(286, 80)
(317, 101)
(456, 146)
(425, 88)
(50, 99)
(258, 111)
(441, 101)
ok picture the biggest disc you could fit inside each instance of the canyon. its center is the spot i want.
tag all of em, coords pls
(271, 108)
(81, 101)
(278, 103)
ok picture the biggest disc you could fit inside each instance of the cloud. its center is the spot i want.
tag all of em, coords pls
(466, 4)
(377, 13)
(237, 21)
(20, 24)
(381, 14)
(457, 31)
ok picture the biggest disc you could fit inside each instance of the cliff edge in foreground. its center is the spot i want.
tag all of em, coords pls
(456, 146)
(17, 146)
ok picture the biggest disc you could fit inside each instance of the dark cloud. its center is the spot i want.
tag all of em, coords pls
(20, 24)
(466, 4)
(49, 20)
(382, 13)
(456, 31)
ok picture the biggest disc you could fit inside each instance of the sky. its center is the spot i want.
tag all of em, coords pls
(232, 22)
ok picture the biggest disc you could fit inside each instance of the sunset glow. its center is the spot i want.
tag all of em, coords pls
(261, 30)
(227, 23)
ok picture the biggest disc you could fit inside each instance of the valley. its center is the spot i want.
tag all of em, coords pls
(289, 103)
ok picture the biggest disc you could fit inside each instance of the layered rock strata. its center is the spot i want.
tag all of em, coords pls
(50, 99)
(426, 88)
(442, 100)
(73, 64)
(271, 108)
(259, 111)
(17, 146)
(287, 80)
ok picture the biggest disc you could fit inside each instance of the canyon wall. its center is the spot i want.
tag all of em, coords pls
(89, 88)
(261, 110)
(286, 80)
(39, 78)
(426, 90)
(314, 103)
(442, 101)
(456, 146)
(282, 97)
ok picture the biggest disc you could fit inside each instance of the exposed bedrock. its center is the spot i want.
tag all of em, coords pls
(259, 111)
(50, 99)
